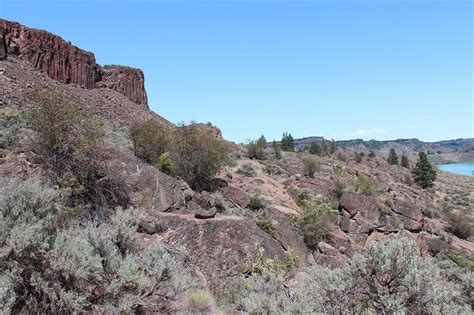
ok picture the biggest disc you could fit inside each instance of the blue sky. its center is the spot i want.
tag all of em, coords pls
(338, 69)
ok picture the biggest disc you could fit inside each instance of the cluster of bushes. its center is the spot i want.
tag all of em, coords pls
(49, 264)
(188, 151)
(256, 149)
(323, 148)
(364, 186)
(386, 278)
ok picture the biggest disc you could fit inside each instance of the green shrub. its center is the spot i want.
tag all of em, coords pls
(150, 140)
(165, 164)
(52, 266)
(341, 187)
(273, 169)
(267, 225)
(384, 208)
(311, 166)
(256, 149)
(69, 141)
(317, 221)
(371, 154)
(302, 196)
(461, 261)
(11, 122)
(460, 225)
(200, 301)
(315, 148)
(257, 201)
(65, 132)
(197, 155)
(247, 170)
(387, 278)
(364, 186)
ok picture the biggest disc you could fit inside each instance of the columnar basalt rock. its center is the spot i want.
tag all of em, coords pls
(126, 80)
(67, 63)
(3, 46)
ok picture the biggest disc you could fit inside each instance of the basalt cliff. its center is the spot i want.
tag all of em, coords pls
(68, 64)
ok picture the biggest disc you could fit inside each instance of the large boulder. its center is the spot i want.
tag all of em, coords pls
(406, 209)
(354, 203)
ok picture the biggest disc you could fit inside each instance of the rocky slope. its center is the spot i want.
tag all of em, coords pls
(68, 64)
(217, 231)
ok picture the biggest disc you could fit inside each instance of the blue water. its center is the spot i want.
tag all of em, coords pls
(461, 168)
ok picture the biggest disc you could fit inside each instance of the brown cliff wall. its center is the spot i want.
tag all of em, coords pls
(67, 63)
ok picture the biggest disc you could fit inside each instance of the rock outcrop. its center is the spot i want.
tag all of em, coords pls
(67, 63)
(3, 46)
(126, 80)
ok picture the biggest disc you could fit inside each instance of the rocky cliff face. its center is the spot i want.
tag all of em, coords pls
(67, 63)
(126, 80)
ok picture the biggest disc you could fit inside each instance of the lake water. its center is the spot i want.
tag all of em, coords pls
(461, 168)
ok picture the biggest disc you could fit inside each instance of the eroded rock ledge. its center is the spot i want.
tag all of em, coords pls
(67, 63)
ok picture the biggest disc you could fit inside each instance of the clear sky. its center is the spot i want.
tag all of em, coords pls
(377, 69)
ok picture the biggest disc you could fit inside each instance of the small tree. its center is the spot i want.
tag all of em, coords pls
(423, 172)
(315, 148)
(150, 140)
(197, 155)
(256, 149)
(405, 162)
(332, 147)
(65, 132)
(276, 150)
(392, 157)
(371, 154)
(287, 142)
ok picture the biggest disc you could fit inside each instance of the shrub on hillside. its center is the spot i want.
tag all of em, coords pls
(311, 166)
(267, 225)
(405, 162)
(256, 149)
(150, 140)
(65, 132)
(315, 148)
(69, 140)
(50, 266)
(165, 164)
(460, 225)
(257, 201)
(197, 155)
(317, 221)
(247, 170)
(364, 186)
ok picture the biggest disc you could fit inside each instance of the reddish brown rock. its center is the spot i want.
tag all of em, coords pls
(51, 54)
(354, 203)
(126, 80)
(67, 63)
(406, 209)
(3, 46)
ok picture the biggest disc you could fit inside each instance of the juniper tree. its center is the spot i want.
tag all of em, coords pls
(276, 150)
(423, 172)
(392, 157)
(404, 162)
(287, 142)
